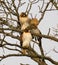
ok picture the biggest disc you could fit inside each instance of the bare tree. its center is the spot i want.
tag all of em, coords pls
(9, 18)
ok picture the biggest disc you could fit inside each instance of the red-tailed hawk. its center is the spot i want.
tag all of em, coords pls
(26, 39)
(24, 20)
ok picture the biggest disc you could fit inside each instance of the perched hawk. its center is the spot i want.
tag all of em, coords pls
(26, 35)
(24, 20)
(26, 39)
(23, 17)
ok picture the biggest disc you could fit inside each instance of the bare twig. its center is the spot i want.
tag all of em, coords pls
(54, 3)
(55, 51)
(49, 31)
(44, 11)
(30, 5)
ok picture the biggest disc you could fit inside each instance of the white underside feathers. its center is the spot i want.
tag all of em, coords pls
(27, 37)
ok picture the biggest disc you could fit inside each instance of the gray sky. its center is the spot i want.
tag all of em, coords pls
(50, 20)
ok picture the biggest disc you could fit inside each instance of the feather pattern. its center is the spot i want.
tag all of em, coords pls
(27, 37)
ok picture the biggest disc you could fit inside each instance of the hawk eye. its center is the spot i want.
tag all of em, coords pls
(23, 15)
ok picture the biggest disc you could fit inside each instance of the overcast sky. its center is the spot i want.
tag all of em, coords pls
(50, 20)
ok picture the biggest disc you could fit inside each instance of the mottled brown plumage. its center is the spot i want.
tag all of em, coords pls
(26, 39)
(26, 22)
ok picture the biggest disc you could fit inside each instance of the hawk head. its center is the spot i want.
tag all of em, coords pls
(23, 17)
(23, 14)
